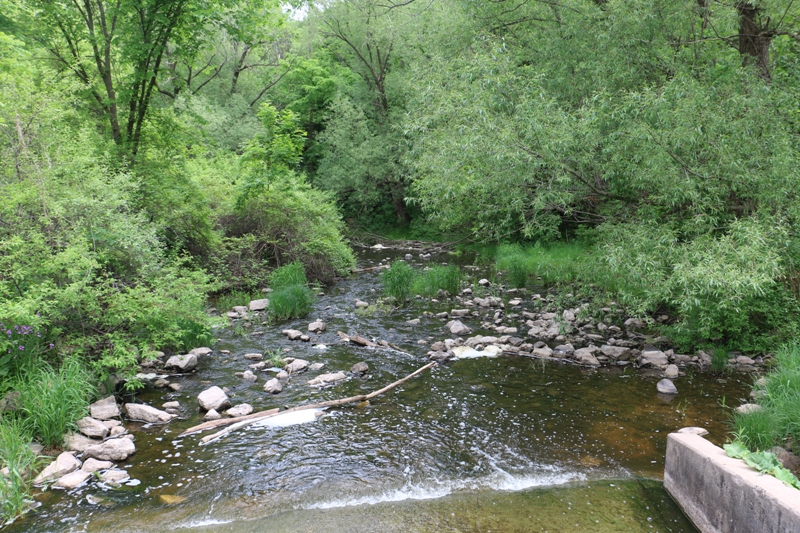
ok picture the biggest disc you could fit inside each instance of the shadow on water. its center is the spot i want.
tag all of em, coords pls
(506, 444)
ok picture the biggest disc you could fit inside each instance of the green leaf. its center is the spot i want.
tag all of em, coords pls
(736, 450)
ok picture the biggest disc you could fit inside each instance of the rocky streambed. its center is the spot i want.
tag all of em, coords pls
(531, 407)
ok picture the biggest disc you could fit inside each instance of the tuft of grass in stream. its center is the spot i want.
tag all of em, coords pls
(561, 262)
(291, 297)
(397, 281)
(440, 277)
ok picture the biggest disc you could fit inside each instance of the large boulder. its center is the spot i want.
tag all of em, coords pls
(111, 450)
(92, 428)
(146, 413)
(457, 327)
(616, 353)
(213, 398)
(104, 409)
(63, 465)
(182, 363)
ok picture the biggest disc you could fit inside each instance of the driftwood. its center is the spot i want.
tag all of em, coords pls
(226, 422)
(241, 422)
(368, 269)
(356, 339)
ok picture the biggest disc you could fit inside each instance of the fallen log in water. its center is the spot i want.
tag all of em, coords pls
(356, 339)
(226, 421)
(240, 422)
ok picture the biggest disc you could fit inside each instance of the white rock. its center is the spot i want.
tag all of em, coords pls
(361, 304)
(112, 449)
(213, 398)
(293, 334)
(298, 365)
(72, 480)
(671, 372)
(243, 409)
(273, 386)
(63, 465)
(182, 363)
(93, 465)
(748, 408)
(147, 413)
(212, 415)
(76, 442)
(92, 427)
(666, 386)
(318, 326)
(104, 409)
(259, 305)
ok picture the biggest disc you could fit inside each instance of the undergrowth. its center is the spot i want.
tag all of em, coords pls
(439, 277)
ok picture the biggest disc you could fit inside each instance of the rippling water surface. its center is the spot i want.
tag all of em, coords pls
(505, 444)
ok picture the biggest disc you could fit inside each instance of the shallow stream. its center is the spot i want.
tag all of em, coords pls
(508, 444)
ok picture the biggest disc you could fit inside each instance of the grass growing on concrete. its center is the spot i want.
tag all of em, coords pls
(778, 394)
(397, 281)
(439, 277)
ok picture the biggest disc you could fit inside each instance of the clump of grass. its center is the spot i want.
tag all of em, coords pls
(719, 358)
(17, 456)
(445, 278)
(275, 358)
(292, 301)
(397, 281)
(562, 262)
(288, 275)
(229, 300)
(778, 420)
(51, 401)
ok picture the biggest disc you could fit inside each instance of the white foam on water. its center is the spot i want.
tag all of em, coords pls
(289, 419)
(203, 523)
(465, 352)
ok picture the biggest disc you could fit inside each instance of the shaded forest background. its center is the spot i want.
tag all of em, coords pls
(156, 152)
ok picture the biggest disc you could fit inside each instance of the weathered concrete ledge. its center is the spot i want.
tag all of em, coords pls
(724, 495)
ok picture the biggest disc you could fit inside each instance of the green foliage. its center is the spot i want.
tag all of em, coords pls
(227, 301)
(438, 278)
(765, 462)
(291, 274)
(560, 262)
(397, 281)
(17, 456)
(291, 301)
(52, 401)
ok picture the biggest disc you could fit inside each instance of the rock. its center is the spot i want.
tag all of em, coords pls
(360, 304)
(147, 413)
(616, 353)
(653, 358)
(258, 366)
(73, 480)
(104, 409)
(119, 430)
(543, 351)
(171, 405)
(76, 442)
(360, 368)
(240, 310)
(568, 316)
(413, 322)
(200, 352)
(212, 415)
(111, 450)
(671, 372)
(298, 365)
(666, 386)
(484, 282)
(254, 356)
(489, 301)
(789, 460)
(744, 360)
(247, 375)
(92, 428)
(182, 363)
(175, 387)
(585, 356)
(243, 409)
(747, 408)
(563, 350)
(316, 366)
(633, 323)
(115, 477)
(258, 305)
(693, 430)
(326, 379)
(457, 327)
(293, 334)
(93, 465)
(703, 358)
(283, 374)
(64, 464)
(457, 312)
(305, 338)
(160, 383)
(9, 402)
(273, 386)
(318, 326)
(213, 398)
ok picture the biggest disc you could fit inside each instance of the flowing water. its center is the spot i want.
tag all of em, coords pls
(509, 444)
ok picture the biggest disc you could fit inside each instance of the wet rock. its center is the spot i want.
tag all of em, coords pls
(147, 413)
(175, 387)
(182, 363)
(693, 430)
(212, 415)
(200, 352)
(305, 338)
(247, 375)
(258, 305)
(72, 480)
(298, 365)
(92, 428)
(111, 450)
(258, 366)
(292, 334)
(457, 327)
(457, 313)
(273, 386)
(616, 353)
(171, 405)
(633, 323)
(254, 356)
(671, 372)
(115, 477)
(104, 409)
(64, 464)
(360, 304)
(666, 386)
(360, 368)
(585, 356)
(327, 379)
(563, 350)
(93, 465)
(318, 326)
(653, 359)
(316, 366)
(543, 351)
(413, 322)
(748, 408)
(422, 342)
(161, 383)
(242, 409)
(75, 442)
(213, 398)
(283, 374)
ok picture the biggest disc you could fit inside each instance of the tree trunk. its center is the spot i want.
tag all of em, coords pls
(399, 203)
(755, 38)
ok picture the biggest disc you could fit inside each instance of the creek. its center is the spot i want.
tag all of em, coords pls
(507, 444)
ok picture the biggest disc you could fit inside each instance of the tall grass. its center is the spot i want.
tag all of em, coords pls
(293, 301)
(287, 275)
(779, 397)
(17, 456)
(52, 401)
(445, 278)
(397, 281)
(562, 262)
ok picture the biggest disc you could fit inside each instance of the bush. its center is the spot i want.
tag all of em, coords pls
(291, 274)
(397, 281)
(52, 401)
(292, 301)
(17, 456)
(445, 278)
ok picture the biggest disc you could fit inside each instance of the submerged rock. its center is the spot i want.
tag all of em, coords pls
(327, 379)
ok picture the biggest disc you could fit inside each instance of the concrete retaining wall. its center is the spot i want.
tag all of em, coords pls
(724, 495)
